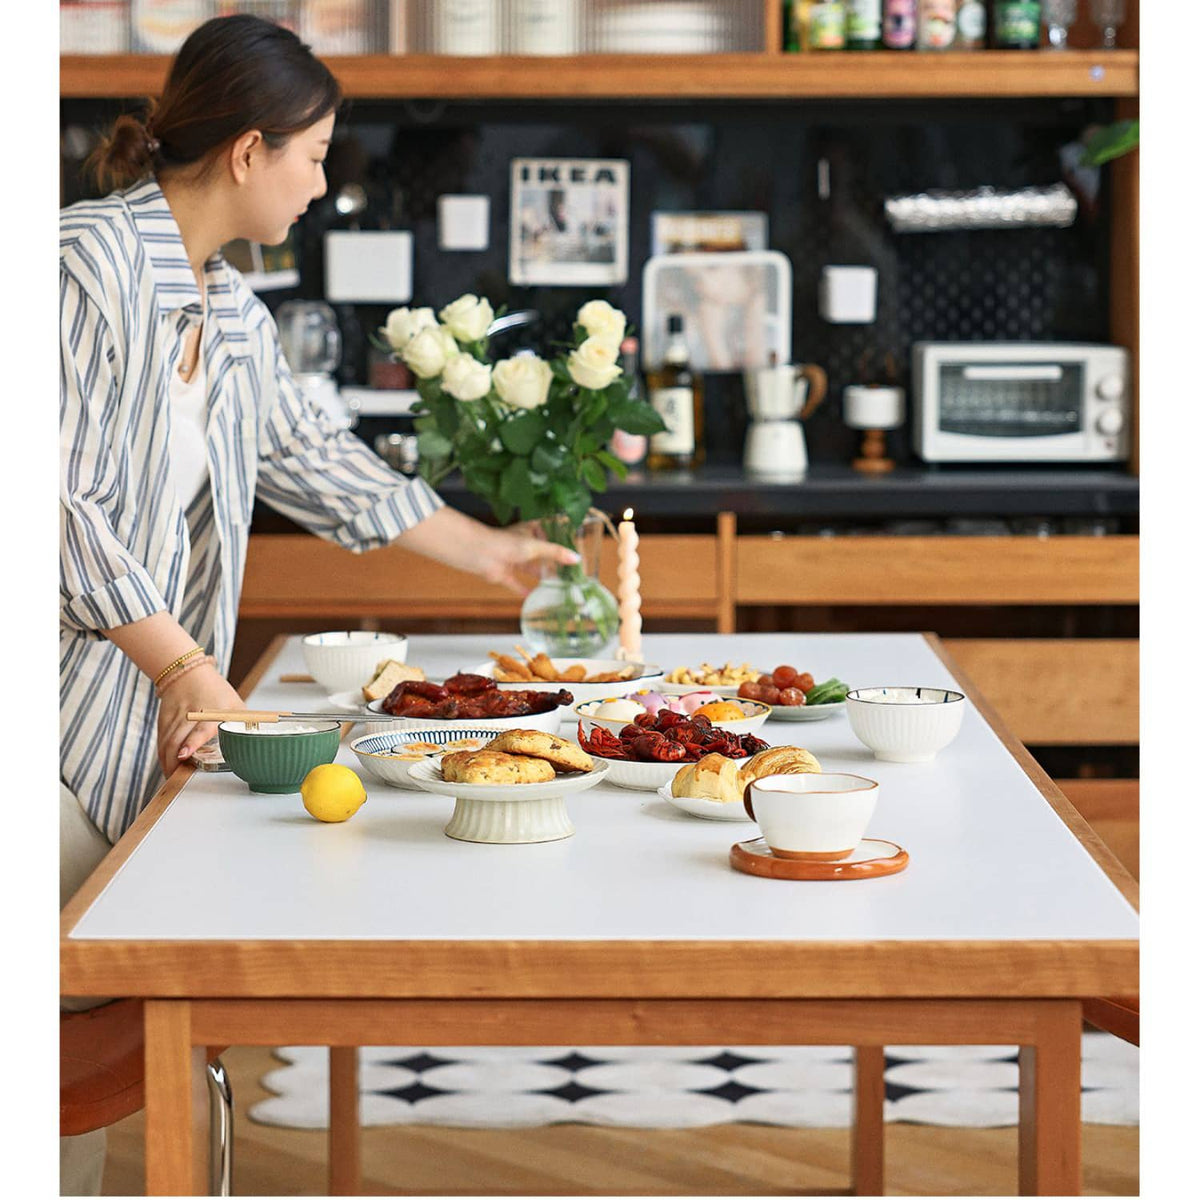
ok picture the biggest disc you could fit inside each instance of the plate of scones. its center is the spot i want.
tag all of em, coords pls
(714, 787)
(512, 788)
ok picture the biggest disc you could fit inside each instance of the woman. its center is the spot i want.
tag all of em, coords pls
(178, 408)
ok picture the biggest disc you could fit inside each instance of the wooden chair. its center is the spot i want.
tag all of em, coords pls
(102, 1080)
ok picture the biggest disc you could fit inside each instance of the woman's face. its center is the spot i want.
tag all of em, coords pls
(280, 184)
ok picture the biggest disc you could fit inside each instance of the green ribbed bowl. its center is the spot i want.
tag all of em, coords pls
(277, 762)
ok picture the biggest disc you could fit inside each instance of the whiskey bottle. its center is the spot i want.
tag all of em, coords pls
(676, 393)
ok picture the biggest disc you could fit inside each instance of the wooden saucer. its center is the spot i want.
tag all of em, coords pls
(871, 857)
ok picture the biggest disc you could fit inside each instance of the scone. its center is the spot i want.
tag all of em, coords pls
(564, 755)
(387, 674)
(490, 766)
(778, 760)
(713, 777)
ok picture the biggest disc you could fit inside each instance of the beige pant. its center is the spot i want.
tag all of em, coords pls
(81, 847)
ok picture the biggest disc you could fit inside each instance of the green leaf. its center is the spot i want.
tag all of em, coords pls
(432, 445)
(445, 413)
(503, 511)
(573, 501)
(587, 443)
(613, 463)
(593, 475)
(637, 417)
(548, 457)
(520, 434)
(515, 484)
(1111, 141)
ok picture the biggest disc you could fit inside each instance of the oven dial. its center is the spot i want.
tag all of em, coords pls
(1111, 387)
(1111, 421)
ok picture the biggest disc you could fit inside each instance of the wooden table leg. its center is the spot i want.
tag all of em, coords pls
(345, 1135)
(866, 1136)
(1049, 1136)
(175, 1093)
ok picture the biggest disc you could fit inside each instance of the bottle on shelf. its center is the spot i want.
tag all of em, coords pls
(815, 25)
(899, 24)
(676, 393)
(630, 448)
(935, 24)
(864, 24)
(1016, 24)
(971, 25)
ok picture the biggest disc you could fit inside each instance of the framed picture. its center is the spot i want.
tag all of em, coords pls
(707, 232)
(569, 221)
(265, 268)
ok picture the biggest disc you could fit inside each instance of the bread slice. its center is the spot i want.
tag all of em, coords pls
(387, 674)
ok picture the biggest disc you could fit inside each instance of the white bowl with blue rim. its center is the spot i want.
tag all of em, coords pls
(388, 756)
(905, 724)
(345, 659)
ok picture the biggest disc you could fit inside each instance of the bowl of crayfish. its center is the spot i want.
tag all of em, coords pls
(733, 716)
(470, 702)
(647, 752)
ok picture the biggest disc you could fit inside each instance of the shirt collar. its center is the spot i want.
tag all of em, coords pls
(174, 282)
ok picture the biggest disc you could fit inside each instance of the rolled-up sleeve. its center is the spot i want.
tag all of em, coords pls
(101, 584)
(326, 479)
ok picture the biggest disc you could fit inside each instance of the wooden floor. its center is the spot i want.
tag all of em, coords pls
(558, 1160)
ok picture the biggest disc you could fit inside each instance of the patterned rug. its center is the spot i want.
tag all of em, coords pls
(655, 1087)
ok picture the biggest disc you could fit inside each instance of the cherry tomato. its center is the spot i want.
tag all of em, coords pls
(804, 682)
(784, 677)
(791, 696)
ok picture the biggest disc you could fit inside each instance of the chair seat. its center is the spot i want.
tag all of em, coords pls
(101, 1066)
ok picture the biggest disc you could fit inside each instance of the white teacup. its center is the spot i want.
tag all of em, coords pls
(821, 818)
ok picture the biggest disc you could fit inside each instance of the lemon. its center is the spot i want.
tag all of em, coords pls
(332, 792)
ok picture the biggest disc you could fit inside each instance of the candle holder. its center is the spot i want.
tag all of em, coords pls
(874, 410)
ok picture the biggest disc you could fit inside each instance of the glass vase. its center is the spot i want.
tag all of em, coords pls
(571, 614)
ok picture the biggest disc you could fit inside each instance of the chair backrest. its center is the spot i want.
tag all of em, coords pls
(101, 1066)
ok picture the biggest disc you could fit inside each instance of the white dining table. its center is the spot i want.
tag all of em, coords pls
(240, 920)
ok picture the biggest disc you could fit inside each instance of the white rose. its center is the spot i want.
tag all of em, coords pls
(602, 321)
(592, 365)
(404, 323)
(428, 351)
(466, 378)
(467, 318)
(522, 382)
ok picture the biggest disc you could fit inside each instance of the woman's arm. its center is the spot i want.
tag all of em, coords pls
(153, 643)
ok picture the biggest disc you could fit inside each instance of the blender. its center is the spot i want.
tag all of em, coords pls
(312, 345)
(778, 398)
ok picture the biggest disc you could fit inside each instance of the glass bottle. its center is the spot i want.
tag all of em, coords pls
(630, 448)
(864, 24)
(971, 33)
(899, 24)
(827, 25)
(676, 393)
(1016, 24)
(935, 24)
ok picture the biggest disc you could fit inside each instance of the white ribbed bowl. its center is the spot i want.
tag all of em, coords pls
(547, 722)
(347, 659)
(905, 724)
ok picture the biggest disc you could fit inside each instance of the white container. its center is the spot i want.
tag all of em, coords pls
(546, 27)
(465, 27)
(905, 724)
(93, 26)
(818, 818)
(347, 659)
(846, 295)
(865, 406)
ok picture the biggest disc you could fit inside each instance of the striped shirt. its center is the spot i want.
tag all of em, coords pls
(127, 547)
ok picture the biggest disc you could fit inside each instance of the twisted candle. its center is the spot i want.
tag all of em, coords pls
(629, 582)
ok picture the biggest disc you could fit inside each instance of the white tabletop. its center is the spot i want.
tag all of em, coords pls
(990, 859)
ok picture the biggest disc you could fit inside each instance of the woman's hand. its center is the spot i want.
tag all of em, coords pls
(203, 687)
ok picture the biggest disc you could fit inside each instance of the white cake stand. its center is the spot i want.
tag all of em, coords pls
(507, 814)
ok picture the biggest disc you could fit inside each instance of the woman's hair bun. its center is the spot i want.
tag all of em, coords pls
(125, 155)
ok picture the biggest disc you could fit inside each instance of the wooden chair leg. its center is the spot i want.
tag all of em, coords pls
(345, 1134)
(866, 1137)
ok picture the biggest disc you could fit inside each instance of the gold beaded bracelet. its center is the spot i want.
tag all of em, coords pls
(180, 672)
(178, 662)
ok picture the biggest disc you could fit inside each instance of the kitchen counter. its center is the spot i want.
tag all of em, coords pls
(834, 491)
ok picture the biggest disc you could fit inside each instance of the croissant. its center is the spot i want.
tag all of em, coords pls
(713, 777)
(778, 760)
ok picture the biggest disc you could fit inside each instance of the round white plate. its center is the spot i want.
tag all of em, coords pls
(351, 701)
(803, 712)
(710, 810)
(645, 677)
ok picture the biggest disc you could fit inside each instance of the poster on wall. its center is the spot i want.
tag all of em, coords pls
(569, 221)
(707, 232)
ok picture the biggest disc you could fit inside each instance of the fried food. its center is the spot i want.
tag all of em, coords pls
(509, 669)
(561, 754)
(492, 767)
(540, 667)
(706, 675)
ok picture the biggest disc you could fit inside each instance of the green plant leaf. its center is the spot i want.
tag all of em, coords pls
(593, 475)
(548, 457)
(515, 484)
(614, 464)
(520, 434)
(573, 500)
(502, 511)
(637, 417)
(1111, 141)
(433, 445)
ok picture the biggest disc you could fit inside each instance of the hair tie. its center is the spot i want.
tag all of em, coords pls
(153, 145)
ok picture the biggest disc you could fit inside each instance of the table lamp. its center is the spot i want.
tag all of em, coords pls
(873, 409)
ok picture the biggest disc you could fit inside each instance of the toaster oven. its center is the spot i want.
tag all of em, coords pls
(1020, 402)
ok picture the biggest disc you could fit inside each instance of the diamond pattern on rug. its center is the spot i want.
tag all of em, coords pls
(681, 1087)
